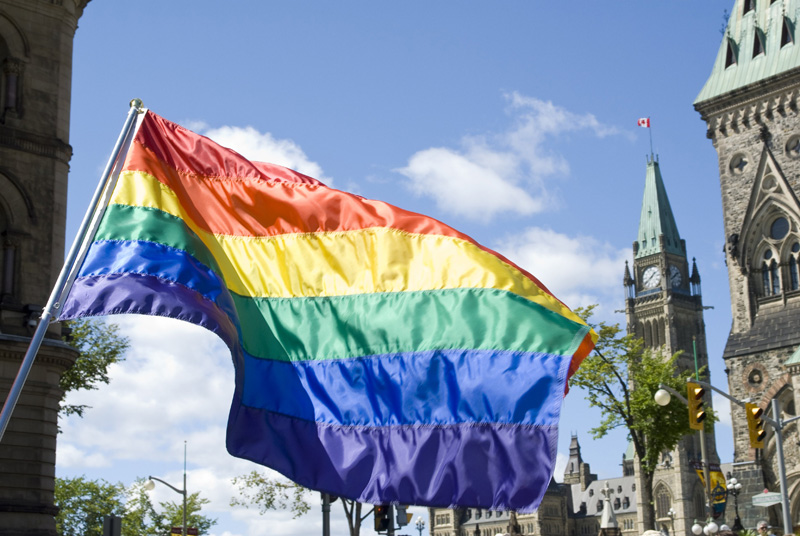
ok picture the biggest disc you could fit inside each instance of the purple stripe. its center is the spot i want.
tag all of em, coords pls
(148, 295)
(498, 467)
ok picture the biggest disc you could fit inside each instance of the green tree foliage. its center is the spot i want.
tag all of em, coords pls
(83, 505)
(100, 345)
(621, 377)
(172, 514)
(257, 489)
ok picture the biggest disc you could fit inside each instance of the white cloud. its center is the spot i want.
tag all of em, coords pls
(176, 384)
(263, 147)
(503, 172)
(579, 270)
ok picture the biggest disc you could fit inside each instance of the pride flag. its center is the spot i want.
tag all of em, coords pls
(380, 355)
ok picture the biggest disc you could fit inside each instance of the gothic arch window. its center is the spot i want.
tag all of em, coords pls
(663, 501)
(770, 276)
(777, 254)
(794, 258)
(749, 5)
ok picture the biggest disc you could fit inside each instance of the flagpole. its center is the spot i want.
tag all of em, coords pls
(62, 287)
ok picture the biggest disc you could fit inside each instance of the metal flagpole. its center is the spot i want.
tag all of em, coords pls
(64, 282)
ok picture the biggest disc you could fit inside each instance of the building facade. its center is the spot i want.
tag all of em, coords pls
(750, 106)
(36, 39)
(664, 307)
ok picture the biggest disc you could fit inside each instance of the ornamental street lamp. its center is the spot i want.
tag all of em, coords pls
(420, 524)
(671, 515)
(734, 488)
(149, 485)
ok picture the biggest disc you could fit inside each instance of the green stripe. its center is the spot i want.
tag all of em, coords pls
(299, 329)
(124, 222)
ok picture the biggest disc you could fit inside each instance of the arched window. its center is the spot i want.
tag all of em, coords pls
(770, 276)
(663, 502)
(794, 280)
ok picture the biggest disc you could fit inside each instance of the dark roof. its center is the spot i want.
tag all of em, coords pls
(773, 327)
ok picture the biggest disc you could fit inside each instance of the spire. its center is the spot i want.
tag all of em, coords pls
(695, 279)
(757, 44)
(627, 281)
(657, 218)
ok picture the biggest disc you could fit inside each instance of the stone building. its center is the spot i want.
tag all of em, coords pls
(750, 106)
(36, 39)
(664, 307)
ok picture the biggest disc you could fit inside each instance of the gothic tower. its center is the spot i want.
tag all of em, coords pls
(664, 307)
(35, 82)
(750, 106)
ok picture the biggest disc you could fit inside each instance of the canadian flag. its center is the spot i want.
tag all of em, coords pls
(644, 122)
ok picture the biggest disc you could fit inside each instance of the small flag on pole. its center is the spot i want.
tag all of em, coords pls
(643, 122)
(380, 355)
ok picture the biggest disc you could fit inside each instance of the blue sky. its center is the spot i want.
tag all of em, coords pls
(512, 121)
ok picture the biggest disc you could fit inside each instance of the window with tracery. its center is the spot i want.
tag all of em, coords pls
(663, 502)
(776, 270)
(770, 276)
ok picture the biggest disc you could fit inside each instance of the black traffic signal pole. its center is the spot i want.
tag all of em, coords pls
(778, 425)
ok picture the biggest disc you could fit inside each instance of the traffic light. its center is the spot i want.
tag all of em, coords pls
(755, 425)
(403, 516)
(382, 518)
(696, 412)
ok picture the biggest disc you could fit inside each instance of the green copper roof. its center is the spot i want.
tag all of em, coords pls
(760, 41)
(657, 218)
(794, 359)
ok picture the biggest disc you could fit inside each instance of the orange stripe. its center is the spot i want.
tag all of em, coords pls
(226, 194)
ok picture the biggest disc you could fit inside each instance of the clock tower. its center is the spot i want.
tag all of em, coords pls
(664, 307)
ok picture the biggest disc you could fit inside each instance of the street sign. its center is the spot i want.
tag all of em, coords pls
(767, 499)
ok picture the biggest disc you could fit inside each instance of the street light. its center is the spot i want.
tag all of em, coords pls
(420, 524)
(149, 485)
(734, 488)
(671, 515)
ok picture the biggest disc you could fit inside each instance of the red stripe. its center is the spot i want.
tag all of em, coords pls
(224, 193)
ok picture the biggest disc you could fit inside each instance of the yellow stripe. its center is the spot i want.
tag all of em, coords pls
(341, 263)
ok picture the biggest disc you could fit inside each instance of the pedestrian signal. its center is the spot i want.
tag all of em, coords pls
(755, 425)
(696, 412)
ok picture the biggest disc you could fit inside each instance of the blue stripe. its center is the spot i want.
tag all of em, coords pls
(107, 257)
(438, 387)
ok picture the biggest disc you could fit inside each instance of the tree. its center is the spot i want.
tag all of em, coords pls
(100, 345)
(84, 503)
(255, 488)
(621, 378)
(172, 515)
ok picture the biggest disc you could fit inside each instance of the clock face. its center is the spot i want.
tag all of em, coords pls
(675, 277)
(651, 277)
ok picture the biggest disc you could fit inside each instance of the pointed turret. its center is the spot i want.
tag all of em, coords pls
(656, 219)
(627, 281)
(695, 279)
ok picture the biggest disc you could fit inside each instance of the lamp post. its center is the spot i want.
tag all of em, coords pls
(420, 524)
(734, 488)
(671, 515)
(149, 485)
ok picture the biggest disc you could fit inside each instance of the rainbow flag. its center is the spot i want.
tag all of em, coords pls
(380, 355)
